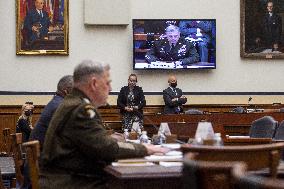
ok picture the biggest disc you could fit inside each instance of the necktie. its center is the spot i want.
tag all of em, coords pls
(177, 109)
(40, 13)
(174, 90)
(172, 48)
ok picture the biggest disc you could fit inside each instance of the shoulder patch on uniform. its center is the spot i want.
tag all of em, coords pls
(126, 145)
(90, 110)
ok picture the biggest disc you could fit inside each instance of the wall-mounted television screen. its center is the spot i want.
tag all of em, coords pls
(174, 44)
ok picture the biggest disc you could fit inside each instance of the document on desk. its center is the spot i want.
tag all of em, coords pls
(170, 156)
(155, 158)
(237, 137)
(131, 164)
(173, 146)
(170, 164)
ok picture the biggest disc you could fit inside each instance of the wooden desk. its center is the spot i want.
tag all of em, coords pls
(151, 177)
(246, 141)
(231, 123)
(256, 156)
(148, 177)
(186, 130)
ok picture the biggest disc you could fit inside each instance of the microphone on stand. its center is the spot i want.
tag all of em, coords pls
(249, 99)
(253, 108)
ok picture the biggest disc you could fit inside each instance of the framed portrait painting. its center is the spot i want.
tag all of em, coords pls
(261, 29)
(42, 27)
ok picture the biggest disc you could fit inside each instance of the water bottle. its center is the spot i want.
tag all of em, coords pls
(126, 134)
(162, 138)
(144, 137)
(218, 139)
(139, 132)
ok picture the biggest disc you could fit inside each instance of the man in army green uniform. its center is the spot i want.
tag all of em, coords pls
(172, 48)
(77, 147)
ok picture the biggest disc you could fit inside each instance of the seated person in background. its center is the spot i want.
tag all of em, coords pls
(24, 123)
(198, 30)
(64, 87)
(76, 147)
(131, 101)
(173, 97)
(172, 48)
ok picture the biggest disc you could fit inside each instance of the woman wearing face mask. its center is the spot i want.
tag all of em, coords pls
(173, 97)
(131, 101)
(24, 124)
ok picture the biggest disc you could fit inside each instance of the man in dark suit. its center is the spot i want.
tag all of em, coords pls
(64, 87)
(37, 22)
(171, 47)
(173, 97)
(131, 101)
(272, 28)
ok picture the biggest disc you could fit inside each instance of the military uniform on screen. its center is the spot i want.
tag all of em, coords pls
(77, 147)
(183, 51)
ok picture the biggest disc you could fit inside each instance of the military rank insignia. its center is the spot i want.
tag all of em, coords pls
(182, 49)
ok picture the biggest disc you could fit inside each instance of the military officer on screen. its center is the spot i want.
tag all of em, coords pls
(172, 48)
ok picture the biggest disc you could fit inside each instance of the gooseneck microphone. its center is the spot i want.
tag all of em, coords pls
(249, 99)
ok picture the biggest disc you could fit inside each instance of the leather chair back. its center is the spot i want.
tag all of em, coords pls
(263, 127)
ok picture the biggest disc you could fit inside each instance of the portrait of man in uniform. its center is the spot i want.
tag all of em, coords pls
(42, 27)
(261, 28)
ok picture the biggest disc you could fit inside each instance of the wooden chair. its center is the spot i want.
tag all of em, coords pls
(210, 175)
(256, 156)
(33, 153)
(17, 153)
(6, 140)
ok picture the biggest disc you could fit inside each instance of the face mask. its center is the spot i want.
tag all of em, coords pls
(132, 83)
(28, 113)
(173, 85)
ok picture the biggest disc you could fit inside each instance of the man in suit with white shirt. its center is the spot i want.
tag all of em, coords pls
(173, 97)
(37, 22)
(271, 28)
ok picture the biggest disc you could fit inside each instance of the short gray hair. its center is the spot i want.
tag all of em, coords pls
(172, 28)
(66, 82)
(87, 68)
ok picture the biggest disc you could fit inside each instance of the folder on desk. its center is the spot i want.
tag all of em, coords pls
(155, 158)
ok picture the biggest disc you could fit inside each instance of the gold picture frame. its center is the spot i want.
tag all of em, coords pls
(42, 27)
(261, 35)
